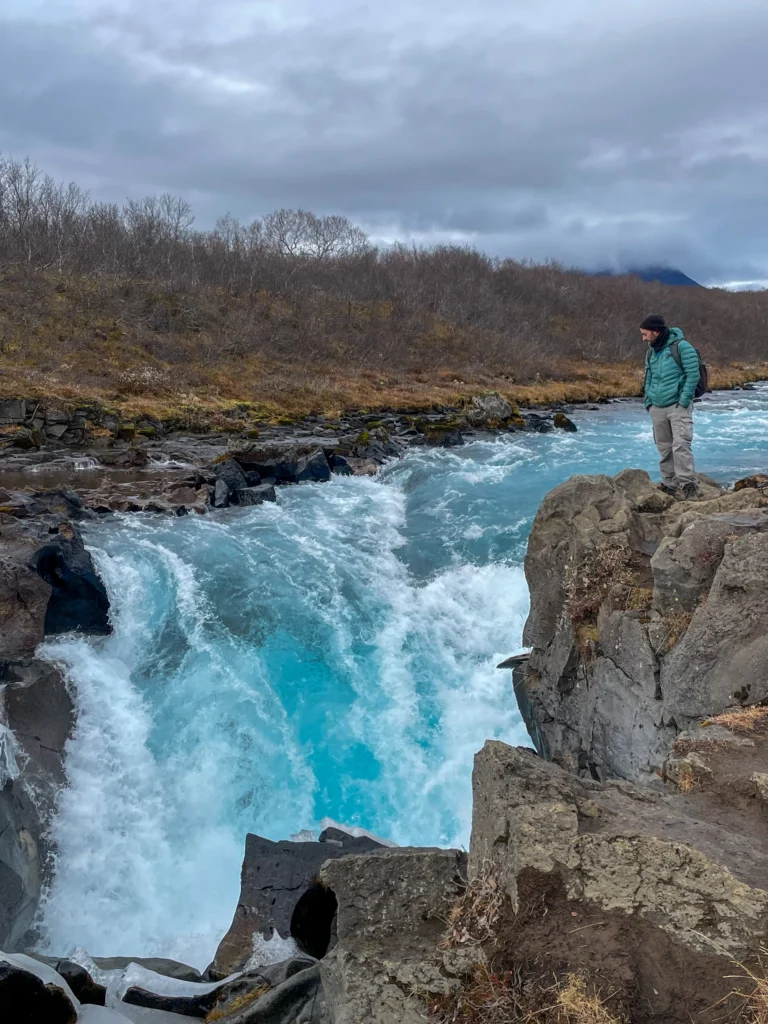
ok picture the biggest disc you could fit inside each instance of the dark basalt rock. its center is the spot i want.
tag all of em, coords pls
(255, 495)
(230, 473)
(274, 879)
(266, 995)
(536, 423)
(82, 984)
(78, 602)
(562, 422)
(26, 999)
(340, 465)
(313, 467)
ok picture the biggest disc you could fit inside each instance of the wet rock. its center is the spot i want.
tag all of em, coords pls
(340, 465)
(159, 965)
(78, 601)
(255, 495)
(230, 473)
(562, 422)
(221, 494)
(275, 877)
(85, 989)
(36, 719)
(25, 998)
(313, 468)
(537, 423)
(285, 992)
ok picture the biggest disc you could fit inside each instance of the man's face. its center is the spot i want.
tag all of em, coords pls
(649, 336)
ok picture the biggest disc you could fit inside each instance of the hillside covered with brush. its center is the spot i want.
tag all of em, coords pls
(135, 307)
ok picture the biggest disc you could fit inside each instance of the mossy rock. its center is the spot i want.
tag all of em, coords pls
(252, 434)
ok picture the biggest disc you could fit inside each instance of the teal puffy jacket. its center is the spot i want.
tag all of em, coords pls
(666, 383)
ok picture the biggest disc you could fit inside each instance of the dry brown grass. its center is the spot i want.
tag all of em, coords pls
(687, 779)
(582, 1006)
(677, 624)
(742, 720)
(78, 340)
(510, 997)
(589, 582)
(754, 1005)
(474, 917)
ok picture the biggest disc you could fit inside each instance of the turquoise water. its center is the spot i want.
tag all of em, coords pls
(330, 655)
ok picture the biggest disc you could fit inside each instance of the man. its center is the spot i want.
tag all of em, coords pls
(669, 391)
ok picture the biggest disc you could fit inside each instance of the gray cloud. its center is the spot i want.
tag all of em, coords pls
(592, 132)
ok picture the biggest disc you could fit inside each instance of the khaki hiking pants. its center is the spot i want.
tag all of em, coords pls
(673, 434)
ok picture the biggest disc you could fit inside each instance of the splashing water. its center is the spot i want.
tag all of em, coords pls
(332, 654)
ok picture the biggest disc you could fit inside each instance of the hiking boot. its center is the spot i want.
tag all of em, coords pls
(690, 492)
(666, 489)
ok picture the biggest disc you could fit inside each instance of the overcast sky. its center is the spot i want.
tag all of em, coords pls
(598, 132)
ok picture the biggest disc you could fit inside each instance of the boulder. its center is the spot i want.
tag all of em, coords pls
(313, 468)
(391, 917)
(78, 601)
(537, 423)
(489, 409)
(229, 472)
(278, 892)
(12, 411)
(340, 465)
(221, 494)
(34, 994)
(562, 422)
(255, 495)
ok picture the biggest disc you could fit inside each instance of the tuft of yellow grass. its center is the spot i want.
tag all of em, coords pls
(687, 779)
(742, 719)
(580, 1006)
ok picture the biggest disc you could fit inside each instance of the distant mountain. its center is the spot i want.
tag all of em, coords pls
(664, 275)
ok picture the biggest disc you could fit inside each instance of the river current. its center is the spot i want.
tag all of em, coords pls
(331, 655)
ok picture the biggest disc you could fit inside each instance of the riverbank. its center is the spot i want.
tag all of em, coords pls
(255, 394)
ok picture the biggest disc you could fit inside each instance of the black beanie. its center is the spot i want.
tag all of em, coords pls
(654, 322)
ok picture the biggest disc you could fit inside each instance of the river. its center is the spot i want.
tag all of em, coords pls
(331, 655)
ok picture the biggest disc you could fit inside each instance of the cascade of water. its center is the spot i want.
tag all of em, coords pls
(330, 655)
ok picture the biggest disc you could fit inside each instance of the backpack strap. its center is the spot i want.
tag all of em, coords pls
(674, 351)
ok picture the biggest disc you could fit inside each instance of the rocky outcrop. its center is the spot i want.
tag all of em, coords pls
(281, 897)
(629, 889)
(391, 917)
(647, 614)
(48, 585)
